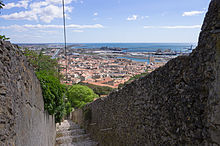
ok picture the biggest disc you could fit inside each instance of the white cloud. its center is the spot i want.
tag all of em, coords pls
(137, 17)
(40, 26)
(38, 5)
(175, 27)
(95, 14)
(41, 4)
(149, 27)
(16, 27)
(77, 31)
(45, 11)
(85, 26)
(47, 14)
(192, 13)
(59, 1)
(23, 15)
(132, 18)
(47, 31)
(19, 4)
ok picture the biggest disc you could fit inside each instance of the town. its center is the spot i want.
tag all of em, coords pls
(103, 70)
(103, 66)
(99, 71)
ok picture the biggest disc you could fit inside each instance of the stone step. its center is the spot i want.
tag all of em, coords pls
(65, 124)
(71, 139)
(67, 128)
(70, 133)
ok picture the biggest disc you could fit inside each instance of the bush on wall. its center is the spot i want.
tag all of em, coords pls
(53, 93)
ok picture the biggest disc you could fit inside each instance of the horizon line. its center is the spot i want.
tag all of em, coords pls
(105, 42)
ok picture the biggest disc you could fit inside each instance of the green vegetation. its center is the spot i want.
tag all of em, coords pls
(100, 90)
(43, 63)
(4, 38)
(53, 91)
(80, 95)
(32, 57)
(59, 99)
(133, 78)
(68, 107)
(1, 4)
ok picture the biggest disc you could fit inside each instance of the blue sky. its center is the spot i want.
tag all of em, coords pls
(100, 21)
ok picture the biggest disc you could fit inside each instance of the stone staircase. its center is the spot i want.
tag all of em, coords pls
(70, 134)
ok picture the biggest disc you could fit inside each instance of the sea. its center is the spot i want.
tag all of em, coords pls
(133, 47)
(140, 47)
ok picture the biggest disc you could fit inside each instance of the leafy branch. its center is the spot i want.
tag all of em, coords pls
(1, 5)
(4, 38)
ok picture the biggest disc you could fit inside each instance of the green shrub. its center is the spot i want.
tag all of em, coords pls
(53, 93)
(47, 71)
(80, 95)
(68, 107)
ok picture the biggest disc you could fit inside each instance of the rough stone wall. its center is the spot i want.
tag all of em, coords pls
(177, 104)
(23, 121)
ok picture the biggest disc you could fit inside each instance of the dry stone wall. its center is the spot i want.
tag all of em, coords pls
(177, 104)
(23, 121)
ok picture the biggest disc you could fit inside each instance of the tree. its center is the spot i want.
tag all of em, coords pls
(32, 57)
(68, 107)
(4, 38)
(80, 95)
(43, 63)
(50, 65)
(1, 4)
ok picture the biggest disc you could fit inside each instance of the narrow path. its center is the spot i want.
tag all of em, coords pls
(70, 134)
